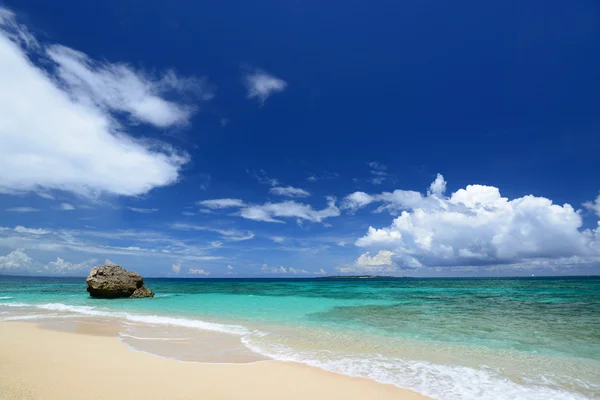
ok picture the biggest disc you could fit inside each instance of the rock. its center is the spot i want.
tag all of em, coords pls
(113, 281)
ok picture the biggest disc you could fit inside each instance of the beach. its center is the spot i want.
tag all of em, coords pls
(91, 363)
(449, 339)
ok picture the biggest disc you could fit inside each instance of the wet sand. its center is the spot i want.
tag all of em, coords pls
(89, 362)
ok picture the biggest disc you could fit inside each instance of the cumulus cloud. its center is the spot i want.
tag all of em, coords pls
(438, 186)
(380, 263)
(143, 210)
(474, 226)
(176, 268)
(289, 191)
(593, 205)
(15, 260)
(261, 85)
(19, 262)
(60, 266)
(384, 257)
(61, 120)
(198, 271)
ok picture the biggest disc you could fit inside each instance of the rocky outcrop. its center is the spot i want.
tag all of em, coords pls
(113, 281)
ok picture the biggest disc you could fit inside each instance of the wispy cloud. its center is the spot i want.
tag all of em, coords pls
(79, 103)
(289, 191)
(269, 212)
(227, 234)
(112, 242)
(261, 176)
(198, 271)
(66, 207)
(22, 209)
(143, 210)
(379, 173)
(261, 85)
(222, 203)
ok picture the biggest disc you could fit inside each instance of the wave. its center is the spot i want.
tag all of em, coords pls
(124, 335)
(33, 316)
(444, 382)
(435, 380)
(140, 318)
(5, 297)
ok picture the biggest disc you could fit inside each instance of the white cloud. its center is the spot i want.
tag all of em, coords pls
(222, 203)
(66, 207)
(268, 212)
(380, 263)
(227, 234)
(384, 257)
(143, 210)
(476, 226)
(22, 209)
(261, 85)
(176, 268)
(20, 262)
(137, 243)
(230, 268)
(278, 239)
(32, 231)
(188, 213)
(289, 191)
(198, 271)
(14, 260)
(357, 200)
(593, 205)
(118, 87)
(438, 186)
(45, 195)
(60, 266)
(379, 173)
(59, 127)
(289, 209)
(261, 176)
(273, 270)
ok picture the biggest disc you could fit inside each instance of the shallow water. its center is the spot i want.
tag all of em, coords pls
(535, 338)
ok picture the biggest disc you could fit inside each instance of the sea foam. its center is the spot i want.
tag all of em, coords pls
(443, 382)
(139, 318)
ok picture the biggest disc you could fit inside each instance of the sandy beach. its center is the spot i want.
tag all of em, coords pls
(91, 363)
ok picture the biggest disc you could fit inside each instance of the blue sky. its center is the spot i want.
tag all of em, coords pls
(298, 139)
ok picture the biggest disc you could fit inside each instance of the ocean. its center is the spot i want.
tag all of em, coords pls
(501, 338)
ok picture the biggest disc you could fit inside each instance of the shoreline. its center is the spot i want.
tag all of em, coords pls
(42, 363)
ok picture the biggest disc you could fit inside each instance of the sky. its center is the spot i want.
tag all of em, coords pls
(300, 138)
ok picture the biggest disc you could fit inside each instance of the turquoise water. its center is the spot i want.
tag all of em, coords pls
(534, 338)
